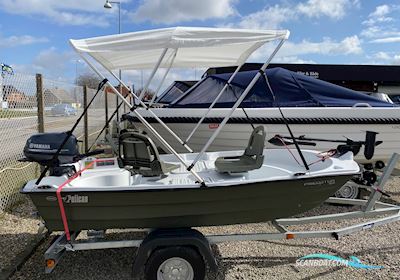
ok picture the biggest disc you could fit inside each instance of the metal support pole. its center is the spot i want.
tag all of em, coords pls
(116, 97)
(303, 159)
(40, 102)
(243, 96)
(213, 103)
(85, 120)
(141, 103)
(106, 109)
(152, 73)
(119, 71)
(143, 120)
(376, 194)
(163, 79)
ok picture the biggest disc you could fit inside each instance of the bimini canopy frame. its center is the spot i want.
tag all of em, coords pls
(189, 47)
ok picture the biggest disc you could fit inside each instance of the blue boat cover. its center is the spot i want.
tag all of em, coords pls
(177, 89)
(291, 89)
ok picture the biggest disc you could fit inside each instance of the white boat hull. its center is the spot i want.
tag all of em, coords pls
(326, 123)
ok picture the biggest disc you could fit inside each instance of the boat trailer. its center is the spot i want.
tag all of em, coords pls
(193, 250)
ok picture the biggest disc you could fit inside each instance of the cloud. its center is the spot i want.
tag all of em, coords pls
(51, 59)
(349, 45)
(71, 12)
(173, 11)
(335, 9)
(380, 32)
(380, 11)
(273, 16)
(268, 18)
(386, 58)
(52, 63)
(381, 25)
(292, 59)
(382, 55)
(291, 51)
(387, 40)
(380, 14)
(14, 41)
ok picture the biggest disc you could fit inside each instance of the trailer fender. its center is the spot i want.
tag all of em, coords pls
(161, 238)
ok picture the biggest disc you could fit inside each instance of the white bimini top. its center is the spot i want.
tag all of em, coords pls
(194, 47)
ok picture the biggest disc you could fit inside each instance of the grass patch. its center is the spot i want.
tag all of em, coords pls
(9, 113)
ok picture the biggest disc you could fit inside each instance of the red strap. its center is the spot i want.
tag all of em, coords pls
(324, 155)
(60, 201)
(321, 155)
(284, 144)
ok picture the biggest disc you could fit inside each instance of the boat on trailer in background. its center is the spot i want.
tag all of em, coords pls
(313, 108)
(173, 192)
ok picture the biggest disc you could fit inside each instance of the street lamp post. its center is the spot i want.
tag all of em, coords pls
(77, 61)
(108, 5)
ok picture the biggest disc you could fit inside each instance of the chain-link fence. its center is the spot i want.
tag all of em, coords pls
(64, 103)
(18, 120)
(22, 115)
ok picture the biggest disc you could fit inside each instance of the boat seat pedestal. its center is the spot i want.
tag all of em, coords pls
(251, 159)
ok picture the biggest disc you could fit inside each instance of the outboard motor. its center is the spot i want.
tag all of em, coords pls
(369, 146)
(42, 147)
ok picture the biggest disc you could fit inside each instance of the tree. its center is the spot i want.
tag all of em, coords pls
(88, 79)
(148, 94)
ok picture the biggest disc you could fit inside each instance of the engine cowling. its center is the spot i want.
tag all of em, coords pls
(41, 148)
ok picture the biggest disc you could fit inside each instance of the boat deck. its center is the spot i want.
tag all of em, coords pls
(105, 174)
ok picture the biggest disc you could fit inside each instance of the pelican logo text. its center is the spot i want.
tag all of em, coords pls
(76, 199)
(320, 182)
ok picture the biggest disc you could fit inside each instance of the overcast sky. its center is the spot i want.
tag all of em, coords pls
(34, 34)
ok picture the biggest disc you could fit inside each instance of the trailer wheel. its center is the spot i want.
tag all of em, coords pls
(348, 191)
(175, 263)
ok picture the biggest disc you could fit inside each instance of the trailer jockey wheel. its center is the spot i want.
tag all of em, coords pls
(173, 263)
(379, 164)
(368, 166)
(369, 177)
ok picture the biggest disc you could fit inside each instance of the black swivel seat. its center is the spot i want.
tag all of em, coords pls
(138, 152)
(251, 159)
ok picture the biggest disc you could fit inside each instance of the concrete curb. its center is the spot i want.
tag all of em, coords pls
(21, 258)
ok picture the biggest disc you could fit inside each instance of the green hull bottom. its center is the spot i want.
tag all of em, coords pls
(168, 208)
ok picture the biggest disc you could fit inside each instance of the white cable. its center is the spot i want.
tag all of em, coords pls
(15, 168)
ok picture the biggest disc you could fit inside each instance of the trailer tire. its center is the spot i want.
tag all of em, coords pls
(349, 191)
(185, 262)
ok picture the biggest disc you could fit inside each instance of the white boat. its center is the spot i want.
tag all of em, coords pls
(313, 108)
